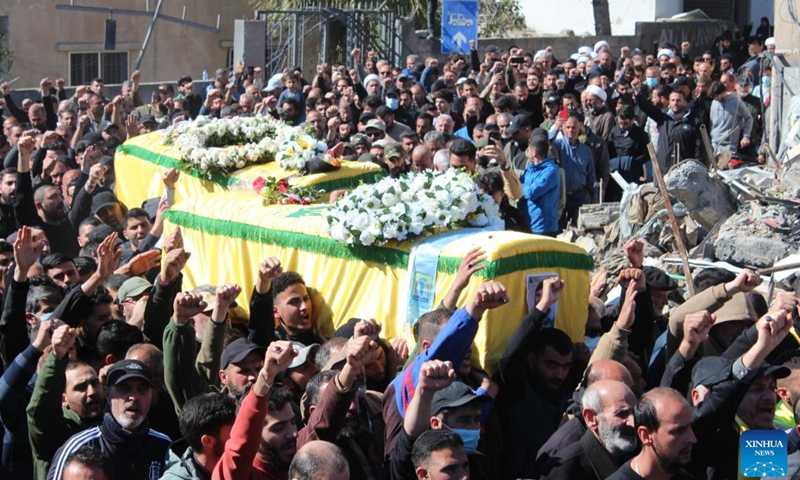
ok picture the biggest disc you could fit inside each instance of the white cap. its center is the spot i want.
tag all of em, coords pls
(597, 92)
(584, 50)
(583, 60)
(665, 51)
(600, 44)
(539, 54)
(593, 55)
(575, 56)
(770, 41)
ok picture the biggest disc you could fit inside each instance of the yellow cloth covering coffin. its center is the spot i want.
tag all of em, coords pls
(229, 234)
(140, 162)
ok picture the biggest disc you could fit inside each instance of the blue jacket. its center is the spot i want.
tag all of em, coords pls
(452, 343)
(577, 162)
(540, 194)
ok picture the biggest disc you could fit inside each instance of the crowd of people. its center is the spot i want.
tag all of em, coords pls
(112, 371)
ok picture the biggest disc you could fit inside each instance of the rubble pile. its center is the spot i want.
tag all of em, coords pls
(749, 217)
(758, 235)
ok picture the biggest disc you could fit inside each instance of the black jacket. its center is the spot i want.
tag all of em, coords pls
(586, 459)
(682, 133)
(141, 454)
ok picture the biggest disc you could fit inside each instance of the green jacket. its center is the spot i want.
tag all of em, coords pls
(187, 371)
(50, 424)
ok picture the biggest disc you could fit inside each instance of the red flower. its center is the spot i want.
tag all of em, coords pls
(258, 184)
(305, 202)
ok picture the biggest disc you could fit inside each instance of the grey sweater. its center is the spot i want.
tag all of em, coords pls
(730, 121)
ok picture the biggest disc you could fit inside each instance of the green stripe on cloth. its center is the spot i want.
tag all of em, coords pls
(379, 255)
(170, 162)
(226, 181)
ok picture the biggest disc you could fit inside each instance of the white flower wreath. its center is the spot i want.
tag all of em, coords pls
(396, 209)
(225, 145)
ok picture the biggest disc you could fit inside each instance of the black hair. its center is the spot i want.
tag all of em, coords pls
(410, 134)
(313, 388)
(373, 101)
(5, 246)
(53, 260)
(279, 396)
(42, 293)
(717, 88)
(551, 337)
(134, 213)
(663, 91)
(425, 116)
(505, 102)
(383, 110)
(540, 145)
(626, 112)
(284, 281)
(710, 277)
(444, 94)
(184, 80)
(434, 441)
(431, 323)
(461, 147)
(115, 338)
(91, 458)
(115, 281)
(491, 182)
(85, 265)
(206, 415)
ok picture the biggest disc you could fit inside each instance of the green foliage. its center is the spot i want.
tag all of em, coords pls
(5, 54)
(500, 17)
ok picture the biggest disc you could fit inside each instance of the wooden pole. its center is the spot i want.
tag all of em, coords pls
(772, 156)
(672, 219)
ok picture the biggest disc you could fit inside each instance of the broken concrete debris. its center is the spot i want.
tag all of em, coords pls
(751, 217)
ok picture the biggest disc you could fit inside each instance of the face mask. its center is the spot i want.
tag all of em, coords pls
(469, 437)
(651, 82)
(591, 342)
(392, 103)
(766, 81)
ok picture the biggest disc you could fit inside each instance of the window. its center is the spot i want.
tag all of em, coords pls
(112, 67)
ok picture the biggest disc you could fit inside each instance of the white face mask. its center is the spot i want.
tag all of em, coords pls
(591, 342)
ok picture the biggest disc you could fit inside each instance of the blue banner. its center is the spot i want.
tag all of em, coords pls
(459, 25)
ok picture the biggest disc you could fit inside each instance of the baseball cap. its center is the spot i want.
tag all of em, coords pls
(380, 144)
(710, 371)
(132, 287)
(147, 119)
(100, 232)
(359, 139)
(91, 138)
(237, 350)
(102, 200)
(456, 395)
(304, 353)
(105, 125)
(394, 149)
(553, 99)
(274, 83)
(492, 49)
(376, 123)
(126, 370)
(517, 122)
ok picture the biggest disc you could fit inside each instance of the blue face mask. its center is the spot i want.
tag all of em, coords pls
(392, 103)
(469, 437)
(766, 81)
(651, 82)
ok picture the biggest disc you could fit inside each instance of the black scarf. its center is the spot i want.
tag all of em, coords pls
(121, 438)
